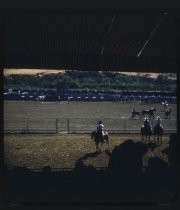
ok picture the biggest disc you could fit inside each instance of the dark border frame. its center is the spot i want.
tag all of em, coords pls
(47, 6)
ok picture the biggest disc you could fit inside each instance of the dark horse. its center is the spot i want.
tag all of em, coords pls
(158, 130)
(149, 112)
(99, 138)
(167, 113)
(146, 131)
(134, 113)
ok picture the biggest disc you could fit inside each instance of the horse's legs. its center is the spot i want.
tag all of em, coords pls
(101, 144)
(148, 137)
(154, 138)
(108, 143)
(97, 148)
(158, 139)
(142, 137)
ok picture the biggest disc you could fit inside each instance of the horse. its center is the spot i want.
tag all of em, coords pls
(167, 113)
(146, 130)
(99, 138)
(165, 104)
(158, 130)
(149, 112)
(134, 113)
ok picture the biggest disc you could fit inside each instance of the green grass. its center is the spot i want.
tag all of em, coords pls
(34, 109)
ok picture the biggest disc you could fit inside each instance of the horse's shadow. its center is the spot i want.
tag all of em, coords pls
(152, 146)
(89, 155)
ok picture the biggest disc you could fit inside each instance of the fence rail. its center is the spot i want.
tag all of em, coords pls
(79, 125)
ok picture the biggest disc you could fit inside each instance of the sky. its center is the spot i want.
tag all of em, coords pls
(47, 71)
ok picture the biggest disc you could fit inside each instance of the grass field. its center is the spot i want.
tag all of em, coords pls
(35, 109)
(77, 116)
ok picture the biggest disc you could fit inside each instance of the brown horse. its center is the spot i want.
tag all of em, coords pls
(134, 113)
(99, 138)
(146, 131)
(149, 112)
(158, 130)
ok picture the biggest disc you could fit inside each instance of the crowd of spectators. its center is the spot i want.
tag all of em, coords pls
(83, 95)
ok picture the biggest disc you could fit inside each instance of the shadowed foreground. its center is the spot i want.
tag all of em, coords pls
(124, 180)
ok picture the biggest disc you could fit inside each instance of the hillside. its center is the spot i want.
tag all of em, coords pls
(91, 80)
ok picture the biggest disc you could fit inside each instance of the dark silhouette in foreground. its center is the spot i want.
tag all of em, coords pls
(89, 155)
(124, 180)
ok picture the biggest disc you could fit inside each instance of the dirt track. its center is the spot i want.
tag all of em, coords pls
(58, 151)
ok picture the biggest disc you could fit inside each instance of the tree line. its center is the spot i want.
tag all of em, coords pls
(93, 80)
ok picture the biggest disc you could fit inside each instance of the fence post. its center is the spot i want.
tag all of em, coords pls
(27, 125)
(56, 125)
(68, 125)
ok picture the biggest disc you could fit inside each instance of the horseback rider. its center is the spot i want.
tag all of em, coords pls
(100, 128)
(146, 122)
(168, 112)
(158, 122)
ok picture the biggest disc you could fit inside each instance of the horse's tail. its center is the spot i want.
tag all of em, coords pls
(107, 136)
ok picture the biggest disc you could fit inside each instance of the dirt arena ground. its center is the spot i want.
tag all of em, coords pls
(62, 151)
